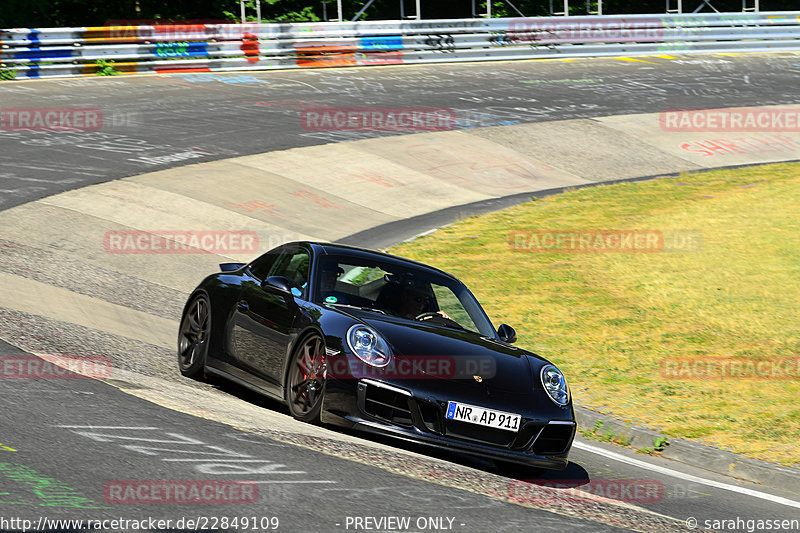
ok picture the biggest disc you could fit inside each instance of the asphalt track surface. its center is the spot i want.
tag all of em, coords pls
(151, 122)
(52, 465)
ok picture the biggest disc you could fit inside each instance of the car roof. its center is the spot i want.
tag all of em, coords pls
(329, 248)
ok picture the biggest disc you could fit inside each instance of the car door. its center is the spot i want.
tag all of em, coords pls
(265, 316)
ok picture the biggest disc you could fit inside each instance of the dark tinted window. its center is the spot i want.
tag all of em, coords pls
(293, 265)
(261, 266)
(399, 290)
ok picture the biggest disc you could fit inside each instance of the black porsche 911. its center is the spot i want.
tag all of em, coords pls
(378, 343)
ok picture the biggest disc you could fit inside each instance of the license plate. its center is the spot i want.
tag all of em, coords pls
(482, 416)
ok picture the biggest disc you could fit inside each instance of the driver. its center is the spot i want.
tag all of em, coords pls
(328, 277)
(413, 302)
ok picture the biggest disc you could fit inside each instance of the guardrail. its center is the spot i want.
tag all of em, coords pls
(35, 53)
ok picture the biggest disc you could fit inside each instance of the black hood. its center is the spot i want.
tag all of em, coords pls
(499, 366)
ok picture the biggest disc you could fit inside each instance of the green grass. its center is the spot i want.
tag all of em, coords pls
(609, 320)
(106, 68)
(7, 74)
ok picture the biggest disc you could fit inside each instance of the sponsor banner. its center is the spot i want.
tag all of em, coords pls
(54, 367)
(706, 368)
(180, 492)
(378, 118)
(180, 242)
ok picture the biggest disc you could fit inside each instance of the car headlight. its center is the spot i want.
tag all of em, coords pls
(555, 385)
(368, 345)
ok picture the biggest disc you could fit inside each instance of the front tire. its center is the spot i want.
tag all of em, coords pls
(194, 338)
(305, 380)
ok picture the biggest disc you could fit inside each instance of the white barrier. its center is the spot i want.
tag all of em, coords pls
(211, 47)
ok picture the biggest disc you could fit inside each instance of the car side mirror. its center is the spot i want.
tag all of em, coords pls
(506, 333)
(278, 282)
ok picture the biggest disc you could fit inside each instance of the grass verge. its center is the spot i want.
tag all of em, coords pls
(614, 322)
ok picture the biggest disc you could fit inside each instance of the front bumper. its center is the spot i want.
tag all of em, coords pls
(402, 412)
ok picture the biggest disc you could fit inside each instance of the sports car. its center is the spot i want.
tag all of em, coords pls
(377, 343)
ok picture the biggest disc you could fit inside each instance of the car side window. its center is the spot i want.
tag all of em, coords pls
(293, 265)
(261, 266)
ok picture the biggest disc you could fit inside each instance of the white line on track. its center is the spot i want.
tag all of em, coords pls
(108, 427)
(288, 481)
(223, 460)
(686, 477)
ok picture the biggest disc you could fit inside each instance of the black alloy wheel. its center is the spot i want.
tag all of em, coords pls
(194, 338)
(305, 383)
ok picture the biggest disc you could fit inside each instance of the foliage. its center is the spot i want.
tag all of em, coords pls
(8, 74)
(105, 68)
(659, 443)
(597, 433)
(54, 13)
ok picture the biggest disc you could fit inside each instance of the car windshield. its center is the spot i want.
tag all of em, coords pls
(399, 290)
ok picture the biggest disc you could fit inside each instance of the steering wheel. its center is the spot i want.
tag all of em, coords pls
(427, 315)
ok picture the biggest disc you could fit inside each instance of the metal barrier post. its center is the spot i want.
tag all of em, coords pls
(754, 9)
(678, 10)
(566, 9)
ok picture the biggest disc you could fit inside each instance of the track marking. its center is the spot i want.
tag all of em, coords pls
(686, 477)
(634, 60)
(221, 460)
(108, 427)
(289, 481)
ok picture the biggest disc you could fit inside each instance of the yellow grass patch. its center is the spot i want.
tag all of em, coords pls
(634, 331)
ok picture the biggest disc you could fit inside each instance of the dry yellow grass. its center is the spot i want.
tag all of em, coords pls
(611, 320)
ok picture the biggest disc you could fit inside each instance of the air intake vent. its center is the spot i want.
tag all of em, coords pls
(387, 404)
(554, 439)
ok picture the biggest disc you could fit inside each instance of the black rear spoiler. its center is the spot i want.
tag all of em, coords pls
(230, 267)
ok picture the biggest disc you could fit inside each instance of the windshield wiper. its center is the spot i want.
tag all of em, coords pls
(374, 310)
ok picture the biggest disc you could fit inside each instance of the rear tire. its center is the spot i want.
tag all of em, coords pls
(194, 337)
